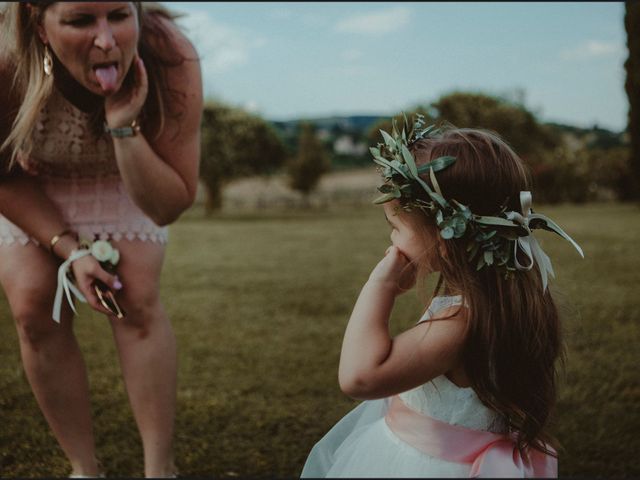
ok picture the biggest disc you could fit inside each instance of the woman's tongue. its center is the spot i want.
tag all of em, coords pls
(107, 77)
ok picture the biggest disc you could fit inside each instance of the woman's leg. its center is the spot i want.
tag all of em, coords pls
(50, 354)
(147, 350)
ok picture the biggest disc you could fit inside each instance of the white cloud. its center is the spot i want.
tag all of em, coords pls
(592, 49)
(378, 22)
(220, 47)
(252, 106)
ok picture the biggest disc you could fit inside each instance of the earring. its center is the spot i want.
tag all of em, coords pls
(47, 63)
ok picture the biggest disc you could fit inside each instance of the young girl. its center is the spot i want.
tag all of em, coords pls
(469, 389)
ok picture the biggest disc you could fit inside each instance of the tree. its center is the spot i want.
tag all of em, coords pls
(310, 162)
(511, 120)
(235, 144)
(632, 86)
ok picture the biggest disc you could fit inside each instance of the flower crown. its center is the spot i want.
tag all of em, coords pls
(491, 240)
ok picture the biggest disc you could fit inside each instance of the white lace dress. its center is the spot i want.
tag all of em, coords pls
(362, 445)
(80, 174)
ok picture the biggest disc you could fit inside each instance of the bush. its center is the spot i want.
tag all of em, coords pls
(310, 162)
(582, 175)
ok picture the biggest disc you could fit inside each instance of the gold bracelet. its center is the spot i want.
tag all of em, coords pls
(56, 238)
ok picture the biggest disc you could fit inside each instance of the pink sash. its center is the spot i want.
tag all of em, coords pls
(490, 454)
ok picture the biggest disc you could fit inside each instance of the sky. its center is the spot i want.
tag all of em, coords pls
(289, 60)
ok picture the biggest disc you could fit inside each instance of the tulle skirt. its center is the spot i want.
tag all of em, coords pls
(362, 445)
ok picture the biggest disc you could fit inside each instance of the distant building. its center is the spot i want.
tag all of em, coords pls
(323, 134)
(345, 145)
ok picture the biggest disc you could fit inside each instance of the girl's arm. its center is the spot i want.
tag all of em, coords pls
(374, 365)
(161, 175)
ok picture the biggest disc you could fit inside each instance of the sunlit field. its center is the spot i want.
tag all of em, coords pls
(259, 302)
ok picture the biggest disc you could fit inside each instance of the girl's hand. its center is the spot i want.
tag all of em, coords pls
(395, 270)
(86, 271)
(123, 107)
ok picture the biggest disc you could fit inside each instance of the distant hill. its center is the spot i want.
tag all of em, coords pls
(594, 137)
(349, 123)
(345, 137)
(357, 126)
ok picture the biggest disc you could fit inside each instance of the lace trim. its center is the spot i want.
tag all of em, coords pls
(10, 234)
(440, 303)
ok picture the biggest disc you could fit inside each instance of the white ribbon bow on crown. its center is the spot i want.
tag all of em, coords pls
(529, 245)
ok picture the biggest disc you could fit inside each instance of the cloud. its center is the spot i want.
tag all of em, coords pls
(221, 48)
(592, 49)
(378, 22)
(251, 106)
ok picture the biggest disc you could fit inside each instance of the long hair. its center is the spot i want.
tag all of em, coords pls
(25, 52)
(513, 334)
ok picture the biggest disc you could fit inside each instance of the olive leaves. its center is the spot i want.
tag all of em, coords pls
(491, 240)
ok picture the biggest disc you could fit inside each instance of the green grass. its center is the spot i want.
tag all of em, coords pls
(259, 303)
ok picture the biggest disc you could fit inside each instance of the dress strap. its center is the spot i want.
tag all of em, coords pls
(440, 303)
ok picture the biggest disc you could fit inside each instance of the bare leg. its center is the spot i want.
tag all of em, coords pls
(147, 350)
(50, 354)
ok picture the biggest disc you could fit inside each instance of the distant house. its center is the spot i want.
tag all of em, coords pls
(323, 134)
(345, 145)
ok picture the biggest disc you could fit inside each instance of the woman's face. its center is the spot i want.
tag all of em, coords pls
(95, 41)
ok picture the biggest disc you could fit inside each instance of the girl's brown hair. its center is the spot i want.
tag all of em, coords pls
(25, 54)
(513, 336)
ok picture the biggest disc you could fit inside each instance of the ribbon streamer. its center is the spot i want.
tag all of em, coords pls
(65, 285)
(529, 245)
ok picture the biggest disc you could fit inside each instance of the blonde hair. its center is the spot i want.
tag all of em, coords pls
(513, 335)
(25, 52)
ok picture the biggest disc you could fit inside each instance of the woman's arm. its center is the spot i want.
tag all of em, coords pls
(24, 203)
(374, 365)
(161, 175)
(21, 199)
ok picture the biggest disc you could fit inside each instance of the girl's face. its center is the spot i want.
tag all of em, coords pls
(403, 235)
(95, 41)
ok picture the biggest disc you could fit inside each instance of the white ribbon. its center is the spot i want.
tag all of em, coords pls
(529, 244)
(65, 285)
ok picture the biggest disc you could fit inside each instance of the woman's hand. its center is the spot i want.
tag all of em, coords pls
(86, 271)
(123, 107)
(395, 270)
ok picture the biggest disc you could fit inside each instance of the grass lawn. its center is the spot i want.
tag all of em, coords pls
(259, 303)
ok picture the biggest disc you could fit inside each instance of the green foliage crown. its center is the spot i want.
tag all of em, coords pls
(490, 240)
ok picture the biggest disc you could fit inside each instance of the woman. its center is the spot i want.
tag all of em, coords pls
(100, 140)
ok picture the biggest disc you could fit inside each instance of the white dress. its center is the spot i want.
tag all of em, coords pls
(362, 445)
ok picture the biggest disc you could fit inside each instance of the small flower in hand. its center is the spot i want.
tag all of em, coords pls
(104, 252)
